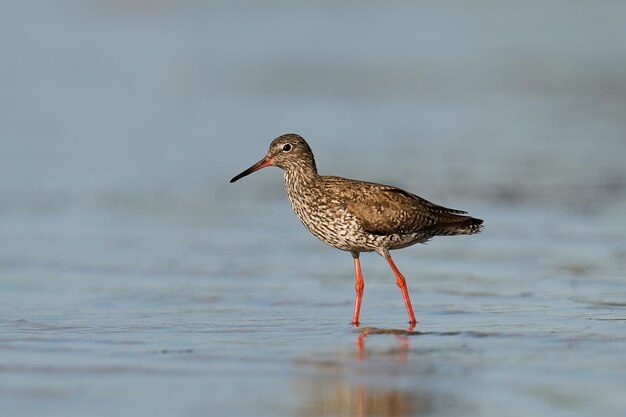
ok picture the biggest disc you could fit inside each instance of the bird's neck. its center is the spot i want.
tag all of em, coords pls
(301, 175)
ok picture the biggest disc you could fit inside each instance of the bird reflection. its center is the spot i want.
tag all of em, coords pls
(342, 399)
(366, 384)
(401, 336)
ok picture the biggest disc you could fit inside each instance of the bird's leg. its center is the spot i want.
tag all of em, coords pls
(358, 288)
(401, 282)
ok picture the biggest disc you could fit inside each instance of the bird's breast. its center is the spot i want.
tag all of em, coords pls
(327, 219)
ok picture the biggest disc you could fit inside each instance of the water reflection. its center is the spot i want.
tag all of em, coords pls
(368, 382)
(401, 337)
(329, 398)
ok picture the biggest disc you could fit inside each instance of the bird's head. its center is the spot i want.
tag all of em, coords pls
(289, 152)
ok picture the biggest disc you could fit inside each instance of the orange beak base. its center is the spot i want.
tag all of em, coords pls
(265, 162)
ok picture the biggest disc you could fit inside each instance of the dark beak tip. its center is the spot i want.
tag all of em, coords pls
(237, 177)
(265, 162)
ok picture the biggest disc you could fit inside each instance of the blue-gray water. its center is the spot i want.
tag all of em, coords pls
(135, 280)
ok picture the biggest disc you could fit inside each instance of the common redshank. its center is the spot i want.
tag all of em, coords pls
(359, 216)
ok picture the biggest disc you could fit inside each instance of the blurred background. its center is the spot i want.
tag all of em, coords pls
(154, 105)
(121, 123)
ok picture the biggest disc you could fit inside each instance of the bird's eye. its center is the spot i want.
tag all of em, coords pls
(287, 147)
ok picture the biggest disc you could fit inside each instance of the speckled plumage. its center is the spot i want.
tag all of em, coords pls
(358, 216)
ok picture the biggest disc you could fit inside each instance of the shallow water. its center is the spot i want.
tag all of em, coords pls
(507, 323)
(134, 280)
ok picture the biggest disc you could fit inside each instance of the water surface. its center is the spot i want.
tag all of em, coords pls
(135, 280)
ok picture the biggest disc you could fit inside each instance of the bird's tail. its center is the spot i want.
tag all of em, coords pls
(466, 225)
(459, 225)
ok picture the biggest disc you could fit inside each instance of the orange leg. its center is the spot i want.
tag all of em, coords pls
(401, 282)
(358, 287)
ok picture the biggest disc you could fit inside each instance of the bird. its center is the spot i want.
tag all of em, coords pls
(359, 216)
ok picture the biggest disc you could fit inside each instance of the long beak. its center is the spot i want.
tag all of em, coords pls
(265, 162)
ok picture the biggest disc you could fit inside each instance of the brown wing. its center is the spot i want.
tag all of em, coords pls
(382, 209)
